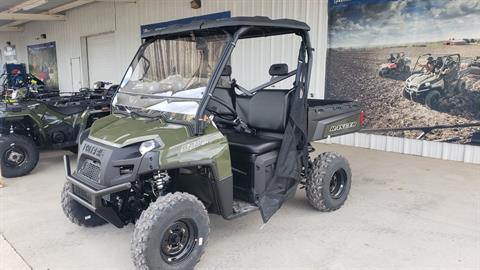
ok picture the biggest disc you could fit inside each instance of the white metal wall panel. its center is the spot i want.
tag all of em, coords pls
(394, 144)
(440, 150)
(452, 151)
(102, 64)
(412, 147)
(124, 19)
(378, 142)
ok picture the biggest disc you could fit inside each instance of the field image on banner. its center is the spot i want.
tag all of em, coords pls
(413, 64)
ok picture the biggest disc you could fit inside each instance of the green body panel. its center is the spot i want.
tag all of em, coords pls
(43, 117)
(178, 147)
(344, 126)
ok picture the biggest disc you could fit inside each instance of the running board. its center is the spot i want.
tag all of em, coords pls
(241, 208)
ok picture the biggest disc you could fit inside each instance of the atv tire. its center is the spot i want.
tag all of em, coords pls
(19, 155)
(329, 181)
(432, 100)
(171, 234)
(76, 212)
(461, 87)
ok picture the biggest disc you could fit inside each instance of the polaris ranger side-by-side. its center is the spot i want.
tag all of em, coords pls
(185, 139)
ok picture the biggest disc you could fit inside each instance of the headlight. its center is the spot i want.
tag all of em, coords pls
(427, 84)
(147, 146)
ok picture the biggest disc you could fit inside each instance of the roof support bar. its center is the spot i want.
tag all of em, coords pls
(33, 17)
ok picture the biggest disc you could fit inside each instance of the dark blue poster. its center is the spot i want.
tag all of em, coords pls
(413, 64)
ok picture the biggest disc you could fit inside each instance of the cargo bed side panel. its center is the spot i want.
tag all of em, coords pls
(332, 119)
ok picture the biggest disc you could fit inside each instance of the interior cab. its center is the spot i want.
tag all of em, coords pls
(253, 127)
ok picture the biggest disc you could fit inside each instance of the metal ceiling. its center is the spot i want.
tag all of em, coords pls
(7, 4)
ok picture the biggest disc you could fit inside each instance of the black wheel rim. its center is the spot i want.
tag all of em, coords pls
(338, 184)
(178, 240)
(15, 156)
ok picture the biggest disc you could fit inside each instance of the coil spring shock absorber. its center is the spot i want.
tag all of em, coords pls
(161, 179)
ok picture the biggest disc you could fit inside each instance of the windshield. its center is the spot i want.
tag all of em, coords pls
(170, 76)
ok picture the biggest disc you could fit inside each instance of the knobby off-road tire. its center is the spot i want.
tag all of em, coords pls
(19, 155)
(173, 218)
(329, 181)
(461, 87)
(76, 212)
(432, 100)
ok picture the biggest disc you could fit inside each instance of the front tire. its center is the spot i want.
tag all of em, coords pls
(328, 184)
(19, 155)
(76, 212)
(432, 100)
(171, 234)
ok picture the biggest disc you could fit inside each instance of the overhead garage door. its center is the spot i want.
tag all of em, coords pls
(101, 59)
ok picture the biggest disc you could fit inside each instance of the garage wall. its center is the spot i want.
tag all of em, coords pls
(124, 20)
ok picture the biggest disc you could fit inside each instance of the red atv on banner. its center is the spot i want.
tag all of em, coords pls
(397, 67)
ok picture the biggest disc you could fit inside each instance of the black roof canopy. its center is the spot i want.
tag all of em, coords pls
(260, 26)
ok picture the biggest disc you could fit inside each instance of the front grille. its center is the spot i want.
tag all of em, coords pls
(82, 194)
(411, 88)
(91, 170)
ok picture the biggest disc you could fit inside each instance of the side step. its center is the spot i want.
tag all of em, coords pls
(241, 208)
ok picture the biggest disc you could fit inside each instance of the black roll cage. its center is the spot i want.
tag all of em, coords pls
(302, 74)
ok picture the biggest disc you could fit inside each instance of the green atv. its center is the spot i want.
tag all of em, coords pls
(185, 139)
(28, 125)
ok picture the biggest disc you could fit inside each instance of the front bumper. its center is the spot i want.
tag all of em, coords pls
(414, 95)
(91, 198)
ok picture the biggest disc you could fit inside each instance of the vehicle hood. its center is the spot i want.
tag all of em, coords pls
(120, 131)
(419, 79)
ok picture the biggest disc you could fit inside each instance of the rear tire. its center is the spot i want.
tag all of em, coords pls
(329, 181)
(76, 212)
(432, 100)
(19, 155)
(171, 234)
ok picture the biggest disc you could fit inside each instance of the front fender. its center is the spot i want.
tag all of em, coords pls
(34, 120)
(210, 149)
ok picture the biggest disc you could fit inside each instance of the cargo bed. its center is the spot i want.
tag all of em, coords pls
(328, 118)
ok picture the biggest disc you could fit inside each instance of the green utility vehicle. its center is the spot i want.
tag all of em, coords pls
(440, 76)
(30, 124)
(185, 139)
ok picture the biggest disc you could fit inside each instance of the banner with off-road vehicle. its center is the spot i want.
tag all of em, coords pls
(42, 63)
(413, 64)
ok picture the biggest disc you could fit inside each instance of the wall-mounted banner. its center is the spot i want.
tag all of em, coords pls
(413, 64)
(42, 62)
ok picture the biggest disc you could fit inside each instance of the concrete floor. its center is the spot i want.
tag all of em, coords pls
(403, 212)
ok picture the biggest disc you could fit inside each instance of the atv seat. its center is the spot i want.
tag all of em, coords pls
(252, 144)
(68, 110)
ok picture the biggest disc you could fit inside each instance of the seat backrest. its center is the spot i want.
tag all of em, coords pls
(267, 110)
(224, 95)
